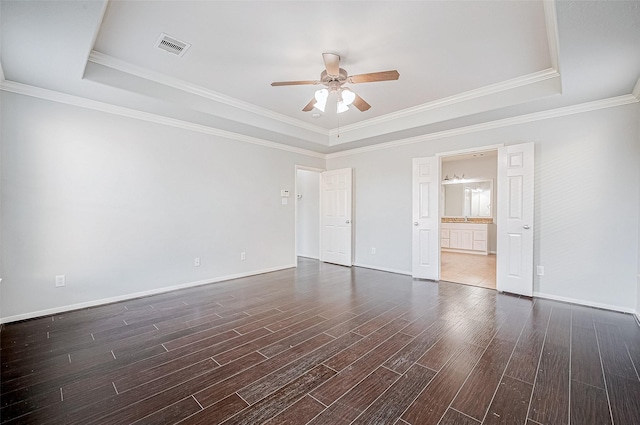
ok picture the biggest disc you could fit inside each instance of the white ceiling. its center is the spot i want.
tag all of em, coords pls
(460, 63)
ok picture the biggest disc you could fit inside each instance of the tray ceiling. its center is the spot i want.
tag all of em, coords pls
(458, 61)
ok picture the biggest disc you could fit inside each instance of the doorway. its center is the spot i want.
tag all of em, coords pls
(513, 218)
(323, 215)
(468, 218)
(307, 212)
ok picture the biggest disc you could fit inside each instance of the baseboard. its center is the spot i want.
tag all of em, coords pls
(584, 302)
(382, 269)
(638, 280)
(134, 295)
(464, 251)
(308, 256)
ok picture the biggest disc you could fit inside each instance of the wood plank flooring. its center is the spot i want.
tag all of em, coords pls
(324, 344)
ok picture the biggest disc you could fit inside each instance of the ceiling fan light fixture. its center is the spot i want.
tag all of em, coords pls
(345, 98)
(321, 99)
(333, 77)
(348, 97)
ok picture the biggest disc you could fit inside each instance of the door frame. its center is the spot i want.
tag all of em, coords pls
(467, 151)
(295, 213)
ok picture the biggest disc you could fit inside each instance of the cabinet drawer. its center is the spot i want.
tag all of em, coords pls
(444, 233)
(444, 243)
(479, 245)
(479, 235)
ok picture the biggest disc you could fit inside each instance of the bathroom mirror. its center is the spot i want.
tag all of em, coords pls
(467, 199)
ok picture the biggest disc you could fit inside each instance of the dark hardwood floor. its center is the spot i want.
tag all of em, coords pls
(324, 344)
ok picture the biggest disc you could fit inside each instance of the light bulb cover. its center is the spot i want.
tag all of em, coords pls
(348, 97)
(321, 99)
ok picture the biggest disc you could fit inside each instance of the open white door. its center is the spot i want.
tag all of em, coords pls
(336, 216)
(426, 238)
(515, 219)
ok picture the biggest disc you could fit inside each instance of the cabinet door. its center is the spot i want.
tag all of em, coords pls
(466, 239)
(480, 246)
(479, 235)
(454, 239)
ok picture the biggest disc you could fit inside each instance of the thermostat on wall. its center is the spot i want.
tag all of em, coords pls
(284, 193)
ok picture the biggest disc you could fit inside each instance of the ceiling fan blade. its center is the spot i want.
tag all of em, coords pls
(310, 105)
(360, 104)
(294, 83)
(374, 76)
(331, 63)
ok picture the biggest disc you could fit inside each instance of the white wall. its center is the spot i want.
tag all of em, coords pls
(472, 168)
(638, 278)
(586, 202)
(308, 219)
(122, 206)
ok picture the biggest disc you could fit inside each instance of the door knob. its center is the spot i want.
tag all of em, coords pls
(348, 221)
(526, 226)
(415, 223)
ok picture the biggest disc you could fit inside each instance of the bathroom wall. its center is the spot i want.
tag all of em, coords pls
(485, 168)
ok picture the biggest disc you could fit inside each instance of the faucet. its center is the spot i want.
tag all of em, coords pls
(466, 218)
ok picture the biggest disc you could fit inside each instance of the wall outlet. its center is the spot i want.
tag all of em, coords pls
(373, 250)
(540, 270)
(243, 256)
(60, 281)
(196, 262)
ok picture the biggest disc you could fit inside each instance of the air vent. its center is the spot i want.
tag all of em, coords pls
(167, 43)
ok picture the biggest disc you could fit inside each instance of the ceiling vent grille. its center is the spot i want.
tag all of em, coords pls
(169, 44)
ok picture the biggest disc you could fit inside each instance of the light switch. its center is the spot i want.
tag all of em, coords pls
(285, 201)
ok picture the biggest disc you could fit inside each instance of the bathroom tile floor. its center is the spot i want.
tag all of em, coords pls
(470, 269)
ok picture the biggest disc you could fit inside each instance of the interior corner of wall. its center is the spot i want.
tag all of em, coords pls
(638, 297)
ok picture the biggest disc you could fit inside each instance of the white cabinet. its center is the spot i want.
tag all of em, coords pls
(464, 237)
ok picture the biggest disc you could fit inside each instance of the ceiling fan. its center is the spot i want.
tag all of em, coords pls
(334, 78)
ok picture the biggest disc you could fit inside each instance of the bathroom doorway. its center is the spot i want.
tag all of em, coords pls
(468, 218)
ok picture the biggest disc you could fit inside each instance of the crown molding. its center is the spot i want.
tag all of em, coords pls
(522, 119)
(551, 23)
(636, 90)
(126, 67)
(176, 83)
(82, 102)
(94, 37)
(54, 96)
(451, 100)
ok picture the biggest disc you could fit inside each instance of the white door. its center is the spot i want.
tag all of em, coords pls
(426, 236)
(515, 220)
(336, 216)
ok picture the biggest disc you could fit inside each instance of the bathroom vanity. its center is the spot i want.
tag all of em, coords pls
(467, 237)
